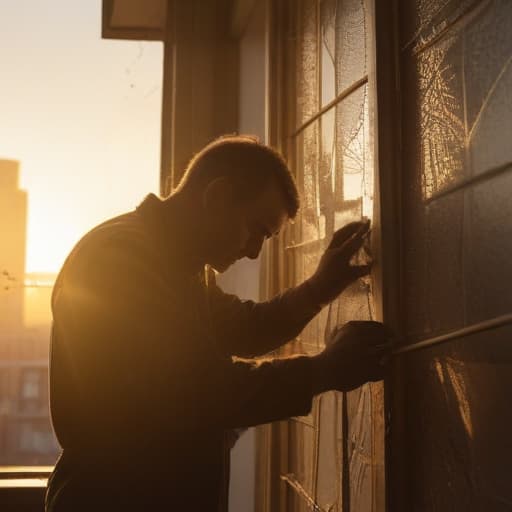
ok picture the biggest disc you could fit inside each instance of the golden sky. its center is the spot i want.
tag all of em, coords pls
(81, 114)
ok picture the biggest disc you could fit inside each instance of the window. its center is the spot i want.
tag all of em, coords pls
(456, 80)
(335, 456)
(36, 438)
(34, 390)
(114, 90)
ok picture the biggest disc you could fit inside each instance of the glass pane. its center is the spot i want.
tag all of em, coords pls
(366, 443)
(488, 56)
(460, 86)
(26, 435)
(307, 70)
(334, 169)
(302, 461)
(351, 39)
(434, 286)
(426, 19)
(310, 223)
(354, 158)
(458, 443)
(328, 50)
(330, 444)
(441, 115)
(456, 83)
(80, 133)
(464, 79)
(488, 250)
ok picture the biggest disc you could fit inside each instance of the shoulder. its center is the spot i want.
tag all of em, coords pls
(121, 241)
(122, 230)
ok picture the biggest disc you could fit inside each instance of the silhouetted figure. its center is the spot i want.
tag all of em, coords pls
(143, 381)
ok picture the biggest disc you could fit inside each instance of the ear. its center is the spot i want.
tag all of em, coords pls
(218, 196)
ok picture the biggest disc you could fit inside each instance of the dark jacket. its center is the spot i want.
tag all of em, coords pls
(143, 383)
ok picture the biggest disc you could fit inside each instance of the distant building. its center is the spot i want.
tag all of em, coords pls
(13, 222)
(26, 435)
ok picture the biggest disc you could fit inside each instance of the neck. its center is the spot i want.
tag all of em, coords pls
(183, 215)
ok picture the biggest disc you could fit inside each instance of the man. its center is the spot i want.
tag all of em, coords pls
(143, 382)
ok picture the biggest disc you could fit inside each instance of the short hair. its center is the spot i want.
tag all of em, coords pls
(248, 163)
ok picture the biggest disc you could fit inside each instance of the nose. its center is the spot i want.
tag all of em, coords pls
(253, 247)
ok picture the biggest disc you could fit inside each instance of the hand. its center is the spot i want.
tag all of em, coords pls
(358, 353)
(334, 272)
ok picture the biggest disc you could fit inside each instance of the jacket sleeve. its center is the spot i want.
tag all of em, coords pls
(248, 329)
(136, 350)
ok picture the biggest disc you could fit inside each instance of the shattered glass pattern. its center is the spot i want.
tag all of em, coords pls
(354, 158)
(456, 88)
(441, 122)
(462, 113)
(458, 105)
(328, 50)
(336, 454)
(330, 441)
(307, 79)
(310, 221)
(352, 31)
(431, 18)
(488, 48)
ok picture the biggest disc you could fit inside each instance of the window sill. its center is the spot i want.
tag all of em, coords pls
(22, 488)
(28, 473)
(25, 483)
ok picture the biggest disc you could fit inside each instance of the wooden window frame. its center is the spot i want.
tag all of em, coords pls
(273, 439)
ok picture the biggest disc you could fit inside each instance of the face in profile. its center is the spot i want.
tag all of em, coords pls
(239, 229)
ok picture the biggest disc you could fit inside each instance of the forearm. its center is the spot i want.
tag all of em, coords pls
(251, 394)
(319, 381)
(298, 306)
(249, 329)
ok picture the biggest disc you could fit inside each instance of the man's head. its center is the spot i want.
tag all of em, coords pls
(246, 193)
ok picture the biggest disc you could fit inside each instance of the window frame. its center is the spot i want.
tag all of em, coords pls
(273, 440)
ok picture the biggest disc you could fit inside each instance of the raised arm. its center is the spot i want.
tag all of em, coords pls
(249, 329)
(137, 357)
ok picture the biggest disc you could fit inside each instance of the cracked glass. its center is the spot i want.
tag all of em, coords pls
(456, 69)
(457, 445)
(336, 454)
(461, 112)
(306, 65)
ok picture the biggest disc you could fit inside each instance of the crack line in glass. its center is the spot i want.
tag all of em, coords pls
(487, 99)
(292, 481)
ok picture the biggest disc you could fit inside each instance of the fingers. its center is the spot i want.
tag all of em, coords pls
(366, 247)
(383, 347)
(380, 360)
(347, 231)
(381, 351)
(360, 271)
(372, 328)
(380, 367)
(353, 244)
